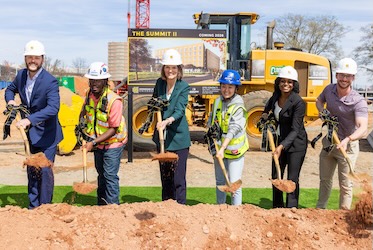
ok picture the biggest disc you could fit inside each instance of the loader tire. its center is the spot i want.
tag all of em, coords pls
(254, 103)
(141, 142)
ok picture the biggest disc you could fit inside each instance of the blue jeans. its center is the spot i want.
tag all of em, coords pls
(107, 163)
(41, 181)
(234, 169)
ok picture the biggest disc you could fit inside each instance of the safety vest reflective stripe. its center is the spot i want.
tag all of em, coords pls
(237, 145)
(98, 119)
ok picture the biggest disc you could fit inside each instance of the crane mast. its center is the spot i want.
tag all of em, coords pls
(142, 14)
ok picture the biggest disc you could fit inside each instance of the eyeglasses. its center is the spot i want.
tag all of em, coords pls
(347, 76)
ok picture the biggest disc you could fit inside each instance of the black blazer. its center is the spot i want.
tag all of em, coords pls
(293, 135)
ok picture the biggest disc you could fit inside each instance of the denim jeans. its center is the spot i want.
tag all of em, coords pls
(107, 163)
(234, 169)
(41, 181)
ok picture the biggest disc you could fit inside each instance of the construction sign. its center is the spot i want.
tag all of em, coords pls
(203, 54)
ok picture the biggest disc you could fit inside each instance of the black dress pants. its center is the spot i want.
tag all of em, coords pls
(173, 177)
(294, 162)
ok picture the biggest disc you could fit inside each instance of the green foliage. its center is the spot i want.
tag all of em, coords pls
(262, 197)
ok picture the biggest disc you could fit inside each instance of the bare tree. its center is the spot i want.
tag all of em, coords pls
(318, 35)
(80, 65)
(7, 72)
(363, 54)
(56, 68)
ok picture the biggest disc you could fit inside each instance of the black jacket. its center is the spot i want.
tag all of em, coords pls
(293, 135)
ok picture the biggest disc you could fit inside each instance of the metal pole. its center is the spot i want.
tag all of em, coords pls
(130, 115)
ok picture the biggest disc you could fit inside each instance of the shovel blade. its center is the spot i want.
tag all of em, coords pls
(38, 160)
(232, 188)
(84, 187)
(286, 186)
(166, 157)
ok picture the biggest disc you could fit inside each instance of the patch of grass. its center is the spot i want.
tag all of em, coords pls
(262, 197)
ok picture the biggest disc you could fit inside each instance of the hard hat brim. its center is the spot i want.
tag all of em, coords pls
(107, 76)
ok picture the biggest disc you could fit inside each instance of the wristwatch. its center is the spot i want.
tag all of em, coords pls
(94, 143)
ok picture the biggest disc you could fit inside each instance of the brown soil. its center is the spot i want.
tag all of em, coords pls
(168, 225)
(287, 186)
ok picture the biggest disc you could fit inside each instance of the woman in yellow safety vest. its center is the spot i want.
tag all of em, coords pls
(106, 131)
(230, 115)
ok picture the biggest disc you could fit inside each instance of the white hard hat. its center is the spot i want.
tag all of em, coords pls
(288, 72)
(347, 66)
(171, 57)
(98, 70)
(34, 48)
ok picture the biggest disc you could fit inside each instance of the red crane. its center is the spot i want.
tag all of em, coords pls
(142, 14)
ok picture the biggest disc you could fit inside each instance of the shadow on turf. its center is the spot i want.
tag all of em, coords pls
(14, 199)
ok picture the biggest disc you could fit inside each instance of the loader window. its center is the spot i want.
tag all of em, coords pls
(245, 38)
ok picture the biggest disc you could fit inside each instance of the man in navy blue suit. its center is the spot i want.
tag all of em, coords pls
(39, 91)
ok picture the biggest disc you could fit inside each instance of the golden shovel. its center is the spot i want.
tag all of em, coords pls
(287, 186)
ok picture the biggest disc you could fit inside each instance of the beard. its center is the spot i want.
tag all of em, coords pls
(32, 67)
(343, 85)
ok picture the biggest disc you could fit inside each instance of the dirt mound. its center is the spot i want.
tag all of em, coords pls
(361, 216)
(168, 225)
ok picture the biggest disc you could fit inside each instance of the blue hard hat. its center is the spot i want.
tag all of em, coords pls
(230, 76)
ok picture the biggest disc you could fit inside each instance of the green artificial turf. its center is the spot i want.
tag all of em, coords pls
(262, 197)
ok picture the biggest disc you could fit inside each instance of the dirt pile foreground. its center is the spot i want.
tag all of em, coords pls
(168, 225)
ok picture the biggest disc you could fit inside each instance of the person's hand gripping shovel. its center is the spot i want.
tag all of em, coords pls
(38, 160)
(287, 186)
(211, 135)
(229, 187)
(163, 156)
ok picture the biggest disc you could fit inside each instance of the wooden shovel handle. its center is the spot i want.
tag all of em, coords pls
(24, 137)
(337, 141)
(160, 131)
(343, 151)
(222, 166)
(275, 158)
(85, 179)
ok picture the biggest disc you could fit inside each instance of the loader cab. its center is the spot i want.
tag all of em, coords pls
(238, 27)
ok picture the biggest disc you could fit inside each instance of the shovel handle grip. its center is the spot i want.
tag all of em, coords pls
(337, 141)
(343, 151)
(160, 131)
(84, 161)
(222, 166)
(275, 158)
(24, 137)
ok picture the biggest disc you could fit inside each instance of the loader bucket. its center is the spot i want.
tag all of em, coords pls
(68, 115)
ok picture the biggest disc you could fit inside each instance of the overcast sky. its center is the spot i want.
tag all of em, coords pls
(80, 28)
